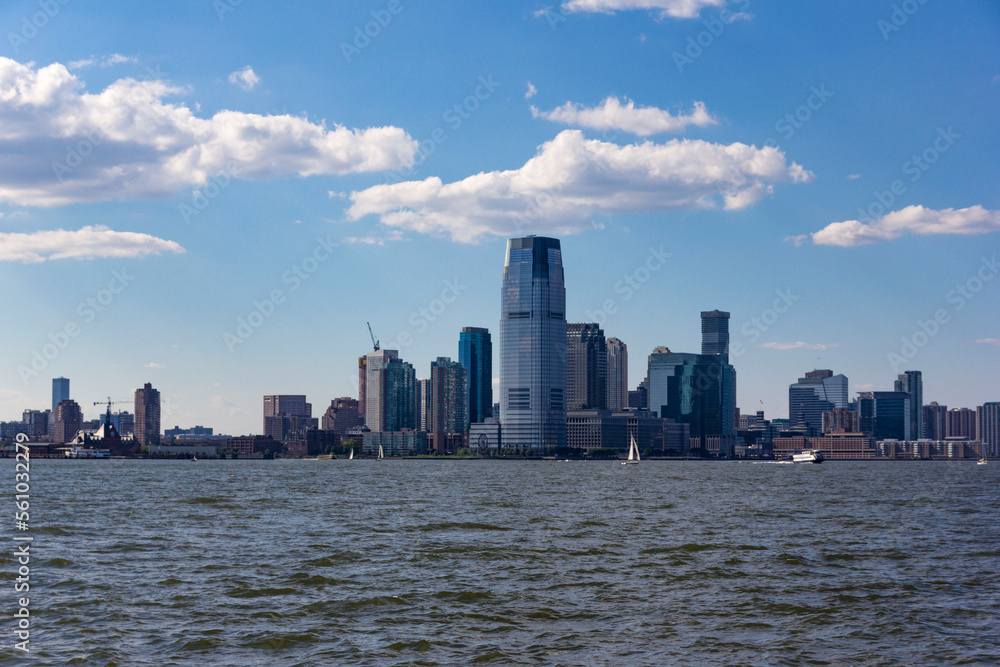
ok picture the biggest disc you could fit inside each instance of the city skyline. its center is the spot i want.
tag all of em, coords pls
(260, 278)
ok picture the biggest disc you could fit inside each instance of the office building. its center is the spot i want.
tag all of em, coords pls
(342, 415)
(935, 421)
(147, 415)
(124, 423)
(617, 391)
(988, 427)
(362, 378)
(533, 345)
(285, 414)
(884, 415)
(449, 389)
(694, 389)
(68, 420)
(715, 333)
(912, 382)
(961, 423)
(36, 422)
(475, 352)
(843, 420)
(60, 391)
(422, 404)
(395, 443)
(586, 367)
(639, 398)
(818, 392)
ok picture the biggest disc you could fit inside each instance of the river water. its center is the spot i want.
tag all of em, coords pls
(426, 562)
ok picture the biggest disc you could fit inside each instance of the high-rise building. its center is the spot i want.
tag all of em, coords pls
(884, 415)
(638, 399)
(961, 423)
(390, 403)
(586, 367)
(362, 377)
(422, 404)
(935, 421)
(449, 388)
(818, 392)
(285, 414)
(60, 392)
(147, 415)
(533, 345)
(912, 382)
(715, 333)
(124, 422)
(342, 415)
(617, 390)
(475, 352)
(694, 389)
(988, 427)
(36, 421)
(68, 420)
(374, 363)
(840, 420)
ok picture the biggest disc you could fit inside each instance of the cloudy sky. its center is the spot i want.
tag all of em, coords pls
(215, 196)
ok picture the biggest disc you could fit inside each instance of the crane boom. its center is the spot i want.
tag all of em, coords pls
(374, 339)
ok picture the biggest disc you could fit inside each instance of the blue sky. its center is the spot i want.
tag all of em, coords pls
(174, 163)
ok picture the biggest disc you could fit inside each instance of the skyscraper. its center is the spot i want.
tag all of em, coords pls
(912, 382)
(617, 375)
(68, 420)
(422, 404)
(935, 421)
(475, 352)
(586, 367)
(60, 391)
(818, 392)
(342, 415)
(147, 415)
(961, 423)
(362, 377)
(449, 414)
(884, 415)
(694, 389)
(533, 345)
(988, 427)
(390, 403)
(715, 333)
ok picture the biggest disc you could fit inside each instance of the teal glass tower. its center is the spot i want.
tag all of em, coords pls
(533, 345)
(475, 352)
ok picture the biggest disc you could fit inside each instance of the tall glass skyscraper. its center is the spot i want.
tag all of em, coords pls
(912, 382)
(475, 352)
(617, 374)
(715, 333)
(818, 392)
(586, 367)
(60, 391)
(533, 345)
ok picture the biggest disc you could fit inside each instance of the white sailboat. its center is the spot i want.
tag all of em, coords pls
(381, 454)
(350, 457)
(981, 462)
(633, 453)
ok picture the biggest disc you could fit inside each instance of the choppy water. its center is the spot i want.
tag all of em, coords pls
(532, 563)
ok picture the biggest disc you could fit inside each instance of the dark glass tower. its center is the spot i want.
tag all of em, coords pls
(60, 391)
(912, 382)
(715, 333)
(586, 367)
(533, 345)
(475, 352)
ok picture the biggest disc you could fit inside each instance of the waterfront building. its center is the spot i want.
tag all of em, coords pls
(395, 443)
(607, 429)
(251, 446)
(840, 420)
(390, 400)
(833, 446)
(485, 436)
(60, 391)
(193, 432)
(884, 415)
(912, 382)
(68, 420)
(988, 427)
(362, 378)
(935, 421)
(617, 391)
(533, 345)
(36, 422)
(694, 389)
(475, 352)
(449, 413)
(124, 422)
(818, 392)
(961, 423)
(147, 415)
(586, 367)
(285, 414)
(342, 415)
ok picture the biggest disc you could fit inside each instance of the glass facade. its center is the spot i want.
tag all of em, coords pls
(912, 382)
(60, 391)
(533, 345)
(475, 352)
(586, 367)
(811, 396)
(694, 389)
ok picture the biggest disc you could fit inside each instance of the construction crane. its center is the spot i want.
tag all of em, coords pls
(374, 339)
(109, 403)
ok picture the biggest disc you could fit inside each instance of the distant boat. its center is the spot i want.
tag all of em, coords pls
(633, 453)
(981, 462)
(350, 457)
(324, 457)
(193, 458)
(808, 456)
(381, 454)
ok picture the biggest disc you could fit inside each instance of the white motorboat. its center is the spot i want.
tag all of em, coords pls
(633, 453)
(808, 456)
(87, 453)
(981, 462)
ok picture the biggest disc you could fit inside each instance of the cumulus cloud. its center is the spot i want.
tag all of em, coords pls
(910, 220)
(60, 144)
(101, 61)
(531, 92)
(798, 345)
(88, 243)
(612, 114)
(245, 78)
(572, 178)
(679, 9)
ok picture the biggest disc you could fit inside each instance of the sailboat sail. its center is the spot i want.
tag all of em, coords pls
(381, 454)
(350, 457)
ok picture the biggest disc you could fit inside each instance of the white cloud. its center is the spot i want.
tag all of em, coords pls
(571, 178)
(245, 78)
(154, 365)
(679, 9)
(87, 243)
(611, 114)
(798, 345)
(988, 341)
(394, 235)
(853, 177)
(101, 61)
(531, 92)
(61, 144)
(910, 220)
